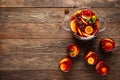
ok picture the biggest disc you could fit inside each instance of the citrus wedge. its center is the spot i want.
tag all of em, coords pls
(83, 21)
(79, 31)
(73, 26)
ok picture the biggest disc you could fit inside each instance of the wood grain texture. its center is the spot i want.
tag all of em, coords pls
(47, 31)
(56, 75)
(44, 54)
(32, 40)
(57, 3)
(51, 46)
(50, 15)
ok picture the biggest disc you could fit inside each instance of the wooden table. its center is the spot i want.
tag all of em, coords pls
(32, 40)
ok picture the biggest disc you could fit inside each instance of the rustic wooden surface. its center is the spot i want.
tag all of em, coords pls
(32, 40)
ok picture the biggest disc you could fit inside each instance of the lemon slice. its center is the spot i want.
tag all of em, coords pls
(90, 60)
(88, 30)
(73, 26)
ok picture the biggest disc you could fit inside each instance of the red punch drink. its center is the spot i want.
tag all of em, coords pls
(65, 64)
(84, 23)
(91, 58)
(73, 50)
(102, 68)
(107, 44)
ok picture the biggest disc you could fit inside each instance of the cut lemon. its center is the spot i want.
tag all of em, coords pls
(91, 60)
(88, 30)
(73, 26)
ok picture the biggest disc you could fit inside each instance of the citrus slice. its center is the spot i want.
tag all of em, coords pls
(90, 60)
(83, 21)
(88, 30)
(73, 26)
(77, 12)
(74, 52)
(79, 31)
(63, 67)
(64, 60)
(74, 15)
(108, 46)
(104, 70)
(89, 53)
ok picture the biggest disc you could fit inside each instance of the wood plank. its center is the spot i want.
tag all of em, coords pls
(51, 46)
(56, 75)
(50, 15)
(47, 31)
(57, 3)
(50, 62)
(45, 54)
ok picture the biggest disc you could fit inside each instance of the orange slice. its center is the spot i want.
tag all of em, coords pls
(64, 59)
(73, 26)
(77, 12)
(63, 67)
(75, 51)
(79, 31)
(108, 45)
(104, 70)
(83, 21)
(90, 60)
(88, 30)
(108, 39)
(90, 52)
(74, 15)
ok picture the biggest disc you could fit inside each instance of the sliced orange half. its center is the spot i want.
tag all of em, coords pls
(88, 30)
(73, 26)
